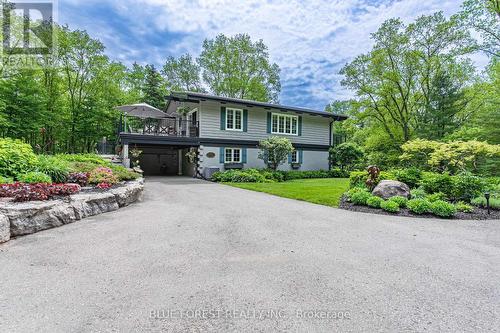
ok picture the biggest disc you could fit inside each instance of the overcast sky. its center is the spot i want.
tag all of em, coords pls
(310, 40)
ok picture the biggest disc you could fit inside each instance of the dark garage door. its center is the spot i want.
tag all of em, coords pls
(159, 161)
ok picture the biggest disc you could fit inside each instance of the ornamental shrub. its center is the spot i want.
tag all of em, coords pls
(463, 207)
(443, 208)
(56, 168)
(374, 201)
(16, 158)
(410, 176)
(467, 186)
(35, 177)
(295, 174)
(390, 206)
(82, 167)
(436, 196)
(123, 173)
(29, 192)
(85, 158)
(102, 175)
(419, 206)
(435, 182)
(6, 180)
(418, 193)
(481, 202)
(401, 201)
(80, 178)
(360, 197)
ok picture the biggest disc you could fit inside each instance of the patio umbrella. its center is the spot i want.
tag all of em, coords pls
(142, 110)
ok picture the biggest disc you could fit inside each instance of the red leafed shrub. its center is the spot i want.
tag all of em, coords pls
(104, 186)
(102, 175)
(30, 192)
(63, 189)
(80, 178)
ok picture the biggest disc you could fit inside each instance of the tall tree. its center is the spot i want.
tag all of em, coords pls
(484, 17)
(182, 74)
(82, 57)
(154, 88)
(239, 68)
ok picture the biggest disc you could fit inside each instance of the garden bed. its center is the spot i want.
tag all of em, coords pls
(477, 214)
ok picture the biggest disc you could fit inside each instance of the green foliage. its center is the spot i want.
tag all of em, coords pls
(58, 169)
(410, 176)
(443, 209)
(418, 193)
(246, 176)
(463, 207)
(85, 158)
(346, 155)
(274, 151)
(436, 196)
(359, 197)
(390, 206)
(6, 180)
(102, 175)
(84, 167)
(419, 206)
(358, 178)
(124, 174)
(374, 201)
(16, 158)
(455, 156)
(182, 74)
(468, 186)
(334, 173)
(435, 182)
(246, 71)
(481, 202)
(35, 177)
(401, 201)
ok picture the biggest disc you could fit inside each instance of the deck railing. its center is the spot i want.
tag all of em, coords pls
(164, 127)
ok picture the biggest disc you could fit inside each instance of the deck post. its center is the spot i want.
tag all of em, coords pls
(180, 163)
(125, 159)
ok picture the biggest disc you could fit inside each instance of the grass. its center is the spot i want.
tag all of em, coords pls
(325, 191)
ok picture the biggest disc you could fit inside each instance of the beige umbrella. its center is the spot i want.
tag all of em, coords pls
(142, 110)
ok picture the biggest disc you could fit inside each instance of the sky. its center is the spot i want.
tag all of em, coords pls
(310, 40)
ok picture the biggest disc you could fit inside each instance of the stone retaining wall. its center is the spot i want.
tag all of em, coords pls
(17, 219)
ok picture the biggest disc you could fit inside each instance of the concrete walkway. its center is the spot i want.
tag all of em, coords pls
(197, 257)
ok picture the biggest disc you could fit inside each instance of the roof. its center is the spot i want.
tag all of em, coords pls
(195, 97)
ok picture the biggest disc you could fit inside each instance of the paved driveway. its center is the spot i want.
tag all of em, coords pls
(196, 256)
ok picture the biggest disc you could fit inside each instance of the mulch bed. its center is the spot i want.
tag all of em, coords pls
(477, 214)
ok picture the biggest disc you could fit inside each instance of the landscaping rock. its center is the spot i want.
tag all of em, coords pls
(128, 194)
(17, 219)
(391, 188)
(30, 217)
(4, 229)
(90, 204)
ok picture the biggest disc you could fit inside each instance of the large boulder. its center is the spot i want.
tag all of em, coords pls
(30, 217)
(391, 188)
(4, 228)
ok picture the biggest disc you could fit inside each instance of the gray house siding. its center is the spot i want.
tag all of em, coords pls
(311, 160)
(315, 129)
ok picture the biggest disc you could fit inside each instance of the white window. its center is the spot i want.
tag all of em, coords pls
(234, 119)
(232, 155)
(295, 156)
(284, 124)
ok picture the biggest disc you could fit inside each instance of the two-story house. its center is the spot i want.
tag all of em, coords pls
(225, 133)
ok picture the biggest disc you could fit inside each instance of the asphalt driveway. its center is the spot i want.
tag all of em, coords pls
(197, 257)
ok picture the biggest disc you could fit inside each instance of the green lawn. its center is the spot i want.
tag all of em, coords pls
(325, 191)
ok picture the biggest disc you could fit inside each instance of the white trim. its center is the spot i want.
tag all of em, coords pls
(297, 160)
(234, 120)
(285, 116)
(232, 155)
